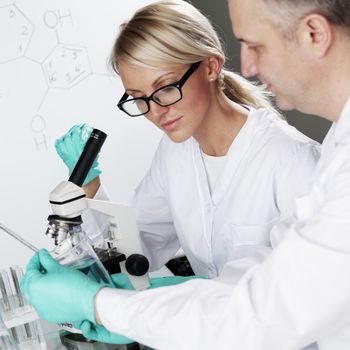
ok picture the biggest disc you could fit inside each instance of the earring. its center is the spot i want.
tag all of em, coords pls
(211, 79)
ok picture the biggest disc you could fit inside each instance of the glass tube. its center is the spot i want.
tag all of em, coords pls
(6, 340)
(19, 317)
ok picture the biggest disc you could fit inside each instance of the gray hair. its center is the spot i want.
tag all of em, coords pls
(175, 32)
(287, 13)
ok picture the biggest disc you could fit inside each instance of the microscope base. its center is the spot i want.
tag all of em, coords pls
(74, 341)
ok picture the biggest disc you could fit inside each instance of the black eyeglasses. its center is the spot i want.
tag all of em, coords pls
(164, 96)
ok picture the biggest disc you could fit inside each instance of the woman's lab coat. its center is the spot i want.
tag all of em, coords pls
(268, 164)
(299, 294)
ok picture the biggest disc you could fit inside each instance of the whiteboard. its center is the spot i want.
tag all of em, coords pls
(54, 74)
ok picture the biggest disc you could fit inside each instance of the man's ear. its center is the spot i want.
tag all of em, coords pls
(315, 34)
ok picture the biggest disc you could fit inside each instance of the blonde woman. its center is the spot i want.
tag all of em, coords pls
(227, 169)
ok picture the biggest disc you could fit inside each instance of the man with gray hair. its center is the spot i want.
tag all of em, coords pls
(301, 50)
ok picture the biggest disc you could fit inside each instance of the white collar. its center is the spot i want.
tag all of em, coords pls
(340, 130)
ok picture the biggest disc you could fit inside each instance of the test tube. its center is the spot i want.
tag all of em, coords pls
(5, 290)
(6, 340)
(26, 335)
(17, 274)
(7, 301)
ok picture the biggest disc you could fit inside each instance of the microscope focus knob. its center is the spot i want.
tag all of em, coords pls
(137, 264)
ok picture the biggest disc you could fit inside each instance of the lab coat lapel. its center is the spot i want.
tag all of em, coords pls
(331, 154)
(338, 135)
(203, 191)
(339, 131)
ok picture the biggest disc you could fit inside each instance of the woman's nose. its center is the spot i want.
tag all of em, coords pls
(157, 110)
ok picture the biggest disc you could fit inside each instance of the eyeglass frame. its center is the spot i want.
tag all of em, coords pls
(179, 84)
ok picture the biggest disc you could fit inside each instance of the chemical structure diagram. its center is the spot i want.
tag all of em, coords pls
(64, 66)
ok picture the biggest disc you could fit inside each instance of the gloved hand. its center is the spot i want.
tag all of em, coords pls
(59, 294)
(122, 281)
(99, 333)
(70, 146)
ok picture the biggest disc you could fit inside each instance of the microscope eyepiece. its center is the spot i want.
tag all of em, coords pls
(88, 156)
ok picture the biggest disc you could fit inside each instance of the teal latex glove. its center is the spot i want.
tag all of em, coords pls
(59, 294)
(70, 146)
(122, 281)
(157, 282)
(99, 333)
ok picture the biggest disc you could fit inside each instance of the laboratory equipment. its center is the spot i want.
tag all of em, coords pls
(73, 341)
(122, 249)
(6, 340)
(19, 318)
(18, 237)
(78, 253)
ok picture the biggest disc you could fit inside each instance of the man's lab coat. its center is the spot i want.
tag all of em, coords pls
(299, 294)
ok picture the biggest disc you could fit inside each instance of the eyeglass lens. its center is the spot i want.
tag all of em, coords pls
(163, 97)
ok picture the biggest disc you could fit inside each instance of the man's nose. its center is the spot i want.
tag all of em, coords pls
(248, 62)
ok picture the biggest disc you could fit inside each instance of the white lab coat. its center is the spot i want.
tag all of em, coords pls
(299, 294)
(268, 164)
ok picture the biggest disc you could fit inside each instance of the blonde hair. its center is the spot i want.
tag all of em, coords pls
(174, 31)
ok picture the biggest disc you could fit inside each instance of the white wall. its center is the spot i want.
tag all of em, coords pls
(53, 74)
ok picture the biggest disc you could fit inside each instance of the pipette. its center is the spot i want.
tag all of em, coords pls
(18, 237)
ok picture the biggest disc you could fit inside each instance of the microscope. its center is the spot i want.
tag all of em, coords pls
(121, 250)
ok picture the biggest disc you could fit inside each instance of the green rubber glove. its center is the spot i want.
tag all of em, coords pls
(59, 294)
(156, 282)
(99, 333)
(122, 281)
(70, 146)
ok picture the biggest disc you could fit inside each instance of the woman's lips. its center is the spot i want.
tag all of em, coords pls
(171, 125)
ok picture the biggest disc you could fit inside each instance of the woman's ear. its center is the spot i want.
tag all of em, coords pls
(214, 66)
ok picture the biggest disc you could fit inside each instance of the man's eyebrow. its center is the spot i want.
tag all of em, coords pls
(245, 41)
